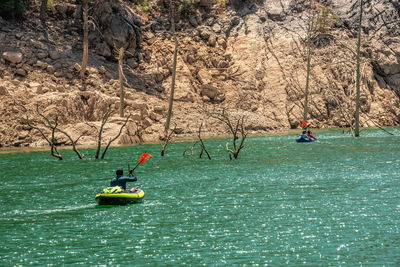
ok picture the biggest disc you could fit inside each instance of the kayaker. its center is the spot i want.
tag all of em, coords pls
(309, 134)
(120, 180)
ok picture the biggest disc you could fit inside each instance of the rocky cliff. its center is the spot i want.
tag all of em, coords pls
(245, 56)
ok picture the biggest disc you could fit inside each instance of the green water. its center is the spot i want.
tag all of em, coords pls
(331, 203)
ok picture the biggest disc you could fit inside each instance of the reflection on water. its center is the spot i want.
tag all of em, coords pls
(332, 202)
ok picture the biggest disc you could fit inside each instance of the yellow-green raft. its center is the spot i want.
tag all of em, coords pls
(119, 198)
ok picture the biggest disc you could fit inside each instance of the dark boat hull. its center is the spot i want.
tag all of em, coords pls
(120, 198)
(302, 139)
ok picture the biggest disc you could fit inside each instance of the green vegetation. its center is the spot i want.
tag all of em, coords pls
(50, 4)
(325, 20)
(145, 5)
(12, 9)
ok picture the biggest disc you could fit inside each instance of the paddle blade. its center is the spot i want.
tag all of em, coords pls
(303, 124)
(144, 157)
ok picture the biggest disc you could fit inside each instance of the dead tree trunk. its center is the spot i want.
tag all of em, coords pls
(121, 53)
(168, 136)
(54, 127)
(174, 63)
(115, 138)
(202, 146)
(104, 120)
(42, 16)
(358, 74)
(238, 143)
(85, 54)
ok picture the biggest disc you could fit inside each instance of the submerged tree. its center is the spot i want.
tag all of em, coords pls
(167, 132)
(106, 115)
(235, 125)
(358, 73)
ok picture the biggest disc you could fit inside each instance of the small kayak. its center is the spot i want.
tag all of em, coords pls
(303, 139)
(120, 198)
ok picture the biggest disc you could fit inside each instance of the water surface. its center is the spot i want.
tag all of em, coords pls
(335, 202)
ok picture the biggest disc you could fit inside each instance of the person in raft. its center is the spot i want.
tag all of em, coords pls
(120, 180)
(309, 134)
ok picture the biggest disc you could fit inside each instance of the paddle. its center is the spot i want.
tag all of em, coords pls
(143, 158)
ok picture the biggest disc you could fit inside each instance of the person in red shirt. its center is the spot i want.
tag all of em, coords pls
(309, 134)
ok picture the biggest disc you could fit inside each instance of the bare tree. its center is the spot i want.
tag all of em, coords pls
(202, 145)
(106, 115)
(54, 127)
(236, 129)
(115, 137)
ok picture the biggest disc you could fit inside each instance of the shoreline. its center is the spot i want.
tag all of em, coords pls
(180, 139)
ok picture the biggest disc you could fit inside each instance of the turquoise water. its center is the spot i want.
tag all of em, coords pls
(335, 202)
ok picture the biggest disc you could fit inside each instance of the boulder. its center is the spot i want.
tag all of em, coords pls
(21, 72)
(13, 57)
(204, 76)
(42, 55)
(3, 90)
(118, 25)
(212, 92)
(54, 55)
(103, 49)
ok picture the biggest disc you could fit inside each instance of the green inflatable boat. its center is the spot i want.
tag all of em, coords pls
(113, 197)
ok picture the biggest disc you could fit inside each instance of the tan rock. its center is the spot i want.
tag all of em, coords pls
(41, 55)
(13, 57)
(21, 72)
(77, 67)
(147, 122)
(50, 69)
(3, 91)
(41, 64)
(204, 76)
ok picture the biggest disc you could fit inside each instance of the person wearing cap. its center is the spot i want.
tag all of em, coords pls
(120, 180)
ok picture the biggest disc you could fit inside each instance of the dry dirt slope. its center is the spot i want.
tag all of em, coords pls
(224, 62)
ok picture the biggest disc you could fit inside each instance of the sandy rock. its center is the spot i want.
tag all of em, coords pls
(34, 84)
(155, 116)
(147, 122)
(77, 67)
(41, 55)
(58, 74)
(54, 55)
(212, 40)
(41, 64)
(102, 70)
(3, 91)
(159, 109)
(50, 69)
(204, 76)
(13, 57)
(21, 72)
